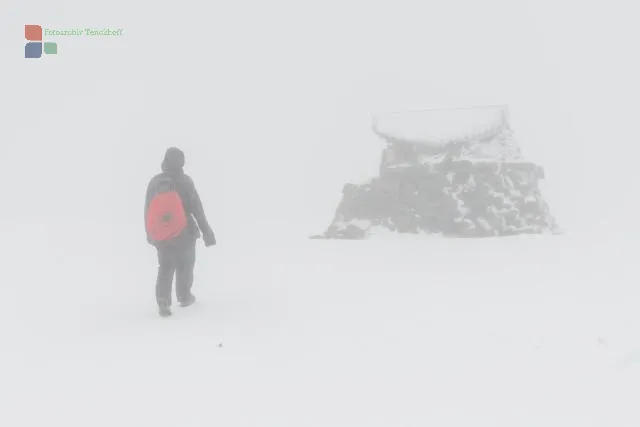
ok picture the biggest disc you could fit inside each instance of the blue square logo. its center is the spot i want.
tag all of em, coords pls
(33, 50)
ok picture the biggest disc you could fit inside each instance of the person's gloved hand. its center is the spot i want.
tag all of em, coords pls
(209, 238)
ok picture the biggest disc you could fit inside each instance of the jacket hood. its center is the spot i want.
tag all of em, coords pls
(173, 160)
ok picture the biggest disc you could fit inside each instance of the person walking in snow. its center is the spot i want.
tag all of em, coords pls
(174, 221)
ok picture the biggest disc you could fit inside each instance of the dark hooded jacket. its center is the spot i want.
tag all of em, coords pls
(173, 165)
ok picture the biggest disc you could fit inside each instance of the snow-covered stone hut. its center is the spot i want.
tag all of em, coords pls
(456, 172)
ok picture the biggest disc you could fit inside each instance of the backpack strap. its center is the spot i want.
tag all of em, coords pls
(165, 183)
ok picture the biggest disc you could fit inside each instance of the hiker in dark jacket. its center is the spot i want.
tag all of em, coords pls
(177, 255)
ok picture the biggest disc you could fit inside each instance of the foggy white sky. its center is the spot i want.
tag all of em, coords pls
(272, 100)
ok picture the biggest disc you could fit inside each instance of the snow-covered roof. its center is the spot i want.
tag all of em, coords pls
(440, 127)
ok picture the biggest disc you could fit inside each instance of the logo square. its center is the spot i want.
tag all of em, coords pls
(33, 33)
(33, 50)
(50, 48)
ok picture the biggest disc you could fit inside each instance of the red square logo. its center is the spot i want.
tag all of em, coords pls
(33, 33)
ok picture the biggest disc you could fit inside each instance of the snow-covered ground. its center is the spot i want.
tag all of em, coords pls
(272, 102)
(524, 331)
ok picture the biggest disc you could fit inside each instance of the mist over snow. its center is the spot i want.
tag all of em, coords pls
(272, 100)
(272, 104)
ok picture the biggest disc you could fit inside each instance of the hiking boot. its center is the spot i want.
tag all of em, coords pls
(163, 309)
(188, 301)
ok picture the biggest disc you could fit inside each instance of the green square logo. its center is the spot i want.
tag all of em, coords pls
(50, 48)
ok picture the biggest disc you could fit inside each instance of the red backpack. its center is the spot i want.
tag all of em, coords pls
(166, 217)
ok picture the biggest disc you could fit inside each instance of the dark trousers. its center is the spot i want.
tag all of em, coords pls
(177, 258)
